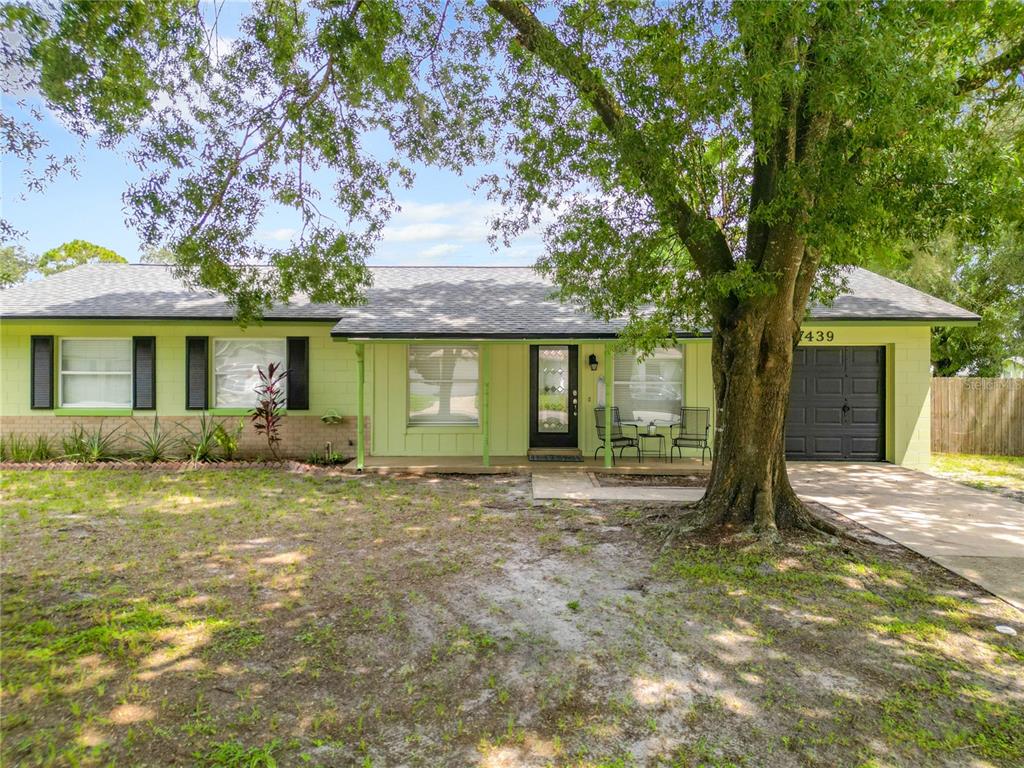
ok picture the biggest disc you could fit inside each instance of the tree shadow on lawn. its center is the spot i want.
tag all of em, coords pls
(259, 617)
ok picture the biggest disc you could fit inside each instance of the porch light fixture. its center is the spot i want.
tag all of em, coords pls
(592, 361)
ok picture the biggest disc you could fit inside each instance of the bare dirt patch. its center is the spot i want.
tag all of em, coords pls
(262, 617)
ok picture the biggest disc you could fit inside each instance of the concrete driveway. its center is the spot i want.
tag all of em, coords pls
(977, 534)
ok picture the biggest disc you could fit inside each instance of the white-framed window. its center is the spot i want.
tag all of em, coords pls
(443, 385)
(236, 366)
(650, 389)
(95, 373)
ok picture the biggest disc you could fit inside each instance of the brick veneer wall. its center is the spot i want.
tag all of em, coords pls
(300, 435)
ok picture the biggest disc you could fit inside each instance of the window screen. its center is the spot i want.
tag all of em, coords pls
(96, 373)
(236, 365)
(650, 389)
(443, 385)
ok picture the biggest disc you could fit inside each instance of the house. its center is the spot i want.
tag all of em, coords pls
(1013, 368)
(442, 361)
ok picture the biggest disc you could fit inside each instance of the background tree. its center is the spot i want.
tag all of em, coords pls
(75, 253)
(15, 264)
(717, 162)
(987, 279)
(157, 255)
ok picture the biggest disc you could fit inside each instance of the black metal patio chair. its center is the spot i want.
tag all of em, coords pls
(692, 431)
(614, 433)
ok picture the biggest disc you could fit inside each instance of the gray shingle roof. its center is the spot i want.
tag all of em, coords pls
(410, 301)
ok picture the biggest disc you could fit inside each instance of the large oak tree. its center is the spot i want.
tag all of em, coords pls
(695, 164)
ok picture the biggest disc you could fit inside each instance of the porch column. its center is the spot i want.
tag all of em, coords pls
(485, 401)
(608, 394)
(360, 422)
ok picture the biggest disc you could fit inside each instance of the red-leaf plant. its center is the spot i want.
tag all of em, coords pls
(270, 401)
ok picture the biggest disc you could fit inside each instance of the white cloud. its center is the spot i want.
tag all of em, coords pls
(441, 249)
(450, 232)
(279, 235)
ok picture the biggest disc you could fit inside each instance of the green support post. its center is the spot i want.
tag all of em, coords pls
(360, 439)
(485, 404)
(608, 394)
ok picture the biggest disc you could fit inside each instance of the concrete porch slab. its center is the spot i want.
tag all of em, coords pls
(580, 486)
(473, 465)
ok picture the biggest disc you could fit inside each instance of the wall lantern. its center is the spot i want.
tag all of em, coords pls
(592, 361)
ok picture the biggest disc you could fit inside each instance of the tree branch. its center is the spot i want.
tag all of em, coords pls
(1012, 57)
(702, 236)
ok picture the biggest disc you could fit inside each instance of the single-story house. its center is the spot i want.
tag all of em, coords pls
(442, 362)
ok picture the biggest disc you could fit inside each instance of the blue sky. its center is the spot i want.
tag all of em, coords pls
(442, 221)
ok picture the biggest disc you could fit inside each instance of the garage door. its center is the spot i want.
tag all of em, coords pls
(837, 404)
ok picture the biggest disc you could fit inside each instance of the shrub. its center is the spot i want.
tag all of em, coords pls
(228, 441)
(42, 448)
(15, 447)
(327, 458)
(81, 444)
(269, 410)
(201, 443)
(155, 444)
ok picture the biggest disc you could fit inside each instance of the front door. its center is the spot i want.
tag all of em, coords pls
(554, 396)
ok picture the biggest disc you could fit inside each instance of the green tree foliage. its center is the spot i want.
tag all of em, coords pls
(75, 253)
(987, 279)
(157, 255)
(694, 163)
(15, 264)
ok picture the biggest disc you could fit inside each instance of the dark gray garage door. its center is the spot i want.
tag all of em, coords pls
(837, 404)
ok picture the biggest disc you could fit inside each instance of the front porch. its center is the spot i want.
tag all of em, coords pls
(498, 465)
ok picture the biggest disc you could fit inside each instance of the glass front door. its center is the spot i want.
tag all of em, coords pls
(554, 396)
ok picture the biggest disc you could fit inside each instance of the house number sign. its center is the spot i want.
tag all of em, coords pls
(818, 336)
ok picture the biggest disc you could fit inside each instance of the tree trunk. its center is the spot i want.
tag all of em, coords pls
(752, 363)
(749, 484)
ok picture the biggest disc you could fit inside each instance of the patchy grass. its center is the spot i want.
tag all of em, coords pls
(261, 618)
(1003, 474)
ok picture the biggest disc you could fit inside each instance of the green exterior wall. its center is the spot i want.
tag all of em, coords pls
(332, 372)
(333, 381)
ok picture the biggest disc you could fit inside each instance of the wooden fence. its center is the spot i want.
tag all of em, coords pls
(984, 416)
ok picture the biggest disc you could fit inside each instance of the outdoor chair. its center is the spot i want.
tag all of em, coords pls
(691, 432)
(614, 434)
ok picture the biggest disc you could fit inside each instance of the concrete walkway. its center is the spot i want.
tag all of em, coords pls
(977, 534)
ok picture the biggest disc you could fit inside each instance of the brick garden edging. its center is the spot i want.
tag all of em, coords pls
(181, 466)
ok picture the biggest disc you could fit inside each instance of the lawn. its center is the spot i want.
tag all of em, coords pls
(1003, 474)
(260, 617)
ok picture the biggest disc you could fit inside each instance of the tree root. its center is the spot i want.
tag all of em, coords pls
(808, 521)
(700, 518)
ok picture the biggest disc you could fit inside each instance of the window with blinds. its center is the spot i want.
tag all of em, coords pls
(650, 389)
(96, 373)
(443, 385)
(236, 366)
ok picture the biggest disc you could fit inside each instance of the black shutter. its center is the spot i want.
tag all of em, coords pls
(42, 372)
(298, 373)
(197, 364)
(144, 373)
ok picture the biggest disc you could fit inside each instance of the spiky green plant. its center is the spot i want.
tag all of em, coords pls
(42, 448)
(201, 443)
(84, 445)
(156, 444)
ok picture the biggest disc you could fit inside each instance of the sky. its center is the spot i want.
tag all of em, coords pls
(441, 222)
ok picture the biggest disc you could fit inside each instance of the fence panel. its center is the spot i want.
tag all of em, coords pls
(984, 416)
